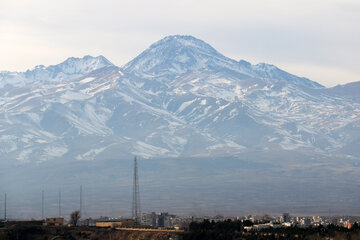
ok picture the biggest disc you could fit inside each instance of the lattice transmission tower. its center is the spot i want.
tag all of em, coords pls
(136, 214)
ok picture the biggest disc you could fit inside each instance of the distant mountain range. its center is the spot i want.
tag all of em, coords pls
(213, 135)
(178, 98)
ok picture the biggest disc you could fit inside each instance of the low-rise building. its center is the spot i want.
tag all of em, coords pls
(159, 220)
(347, 224)
(54, 222)
(113, 223)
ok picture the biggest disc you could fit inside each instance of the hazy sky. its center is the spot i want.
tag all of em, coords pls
(318, 39)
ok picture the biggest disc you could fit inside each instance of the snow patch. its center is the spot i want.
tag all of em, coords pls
(87, 80)
(185, 105)
(54, 151)
(24, 156)
(147, 150)
(77, 96)
(90, 155)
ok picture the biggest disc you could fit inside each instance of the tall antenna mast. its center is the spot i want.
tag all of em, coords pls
(5, 209)
(136, 196)
(42, 204)
(80, 200)
(59, 203)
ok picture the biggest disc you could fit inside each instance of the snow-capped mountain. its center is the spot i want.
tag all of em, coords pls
(179, 98)
(71, 68)
(177, 55)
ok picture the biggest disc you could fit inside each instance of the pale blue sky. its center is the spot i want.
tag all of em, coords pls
(318, 39)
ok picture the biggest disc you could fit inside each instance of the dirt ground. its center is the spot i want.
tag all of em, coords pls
(17, 232)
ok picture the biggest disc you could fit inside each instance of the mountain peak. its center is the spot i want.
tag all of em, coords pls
(88, 62)
(174, 55)
(74, 65)
(183, 41)
(70, 68)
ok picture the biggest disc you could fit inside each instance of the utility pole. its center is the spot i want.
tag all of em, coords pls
(42, 204)
(59, 203)
(136, 215)
(80, 201)
(5, 209)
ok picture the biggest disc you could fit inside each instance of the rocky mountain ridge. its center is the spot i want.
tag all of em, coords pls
(179, 98)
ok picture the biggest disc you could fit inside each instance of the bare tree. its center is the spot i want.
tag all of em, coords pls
(74, 217)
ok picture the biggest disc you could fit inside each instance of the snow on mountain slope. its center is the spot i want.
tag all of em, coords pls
(257, 102)
(177, 55)
(98, 111)
(180, 97)
(70, 68)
